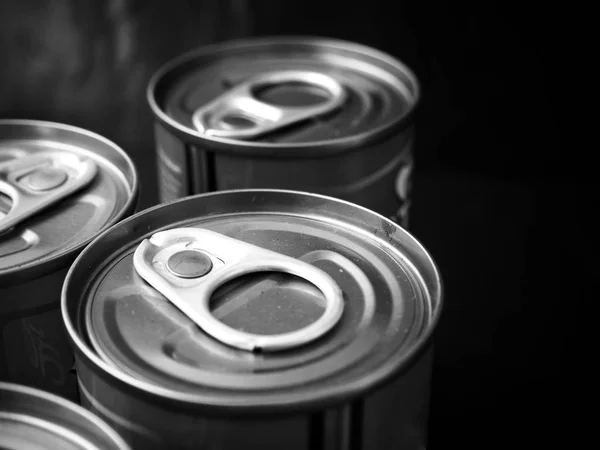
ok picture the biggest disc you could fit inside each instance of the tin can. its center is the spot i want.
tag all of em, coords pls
(59, 187)
(302, 113)
(256, 319)
(35, 419)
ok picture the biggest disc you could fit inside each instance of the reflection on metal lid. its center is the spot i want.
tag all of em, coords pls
(374, 91)
(77, 212)
(35, 419)
(390, 290)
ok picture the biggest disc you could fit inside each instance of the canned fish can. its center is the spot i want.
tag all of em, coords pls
(35, 419)
(256, 319)
(59, 187)
(302, 113)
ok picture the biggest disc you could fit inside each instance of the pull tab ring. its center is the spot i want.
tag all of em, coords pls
(187, 265)
(38, 181)
(259, 117)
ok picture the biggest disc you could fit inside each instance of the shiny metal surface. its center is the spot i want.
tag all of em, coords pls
(36, 420)
(166, 378)
(263, 116)
(189, 264)
(230, 259)
(381, 92)
(36, 182)
(353, 152)
(71, 223)
(35, 255)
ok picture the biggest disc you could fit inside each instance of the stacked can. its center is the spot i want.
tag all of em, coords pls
(34, 419)
(301, 113)
(256, 319)
(60, 186)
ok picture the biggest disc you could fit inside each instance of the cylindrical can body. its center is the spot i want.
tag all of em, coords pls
(147, 367)
(36, 253)
(394, 416)
(353, 143)
(34, 419)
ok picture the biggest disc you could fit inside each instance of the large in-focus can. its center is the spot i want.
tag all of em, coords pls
(302, 113)
(35, 419)
(190, 332)
(59, 187)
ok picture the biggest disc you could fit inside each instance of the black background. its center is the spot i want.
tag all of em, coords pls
(501, 191)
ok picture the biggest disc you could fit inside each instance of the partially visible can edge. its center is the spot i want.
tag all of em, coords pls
(66, 404)
(33, 270)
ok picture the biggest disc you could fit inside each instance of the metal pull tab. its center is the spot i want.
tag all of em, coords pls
(239, 114)
(38, 181)
(187, 265)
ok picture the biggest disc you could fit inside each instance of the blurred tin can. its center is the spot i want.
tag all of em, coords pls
(34, 419)
(59, 187)
(302, 113)
(256, 319)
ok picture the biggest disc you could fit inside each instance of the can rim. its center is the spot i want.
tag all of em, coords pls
(32, 269)
(336, 394)
(331, 146)
(67, 405)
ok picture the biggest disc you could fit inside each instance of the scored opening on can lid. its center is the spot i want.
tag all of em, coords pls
(283, 93)
(126, 329)
(59, 186)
